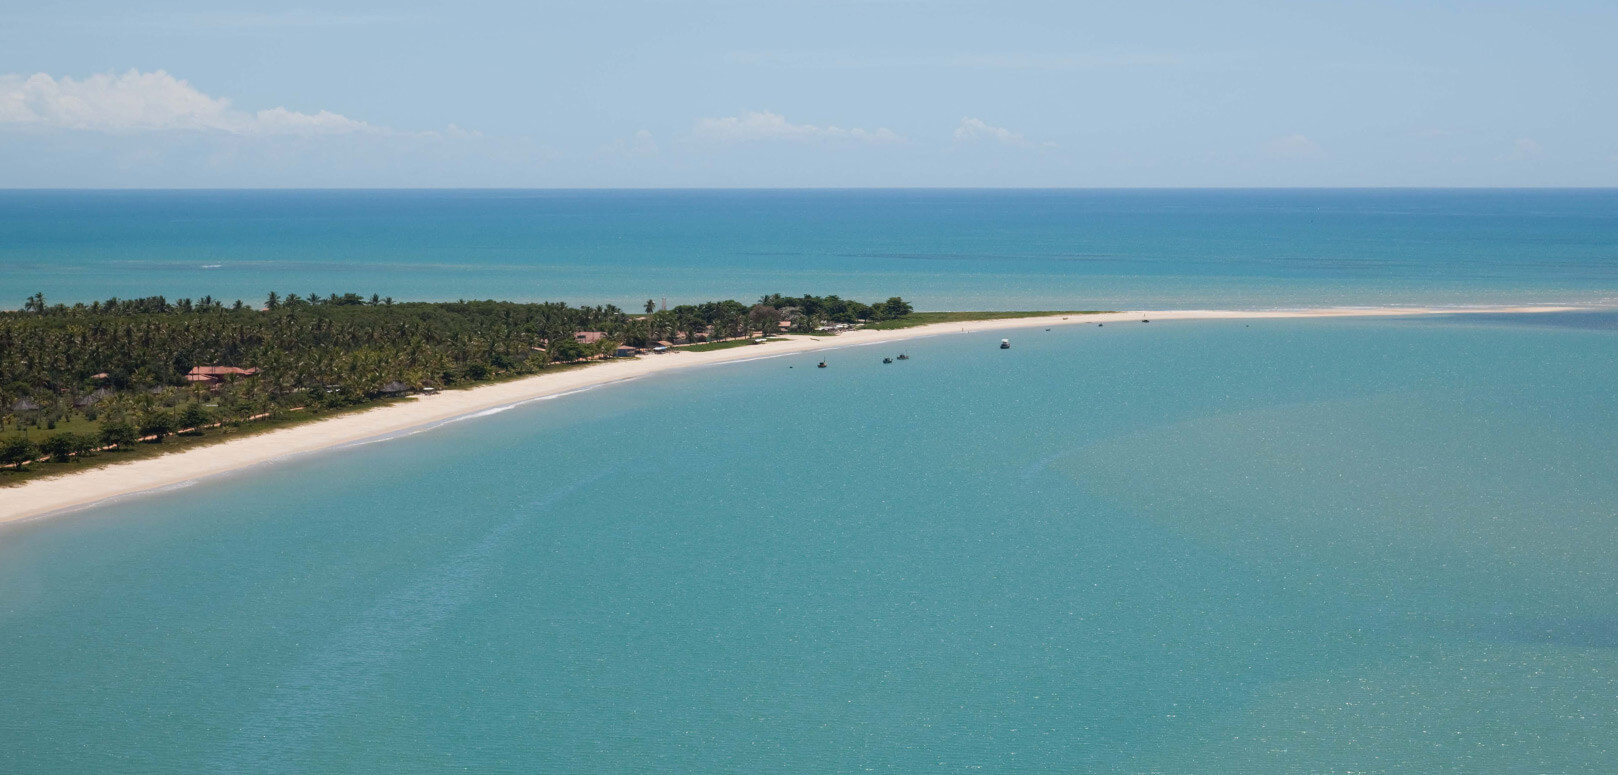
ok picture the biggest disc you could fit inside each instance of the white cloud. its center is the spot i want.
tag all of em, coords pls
(1293, 147)
(643, 144)
(972, 130)
(155, 101)
(755, 126)
(280, 121)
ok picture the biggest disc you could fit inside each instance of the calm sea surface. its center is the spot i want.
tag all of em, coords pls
(944, 249)
(1197, 547)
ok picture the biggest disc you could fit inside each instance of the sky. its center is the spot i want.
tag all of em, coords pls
(834, 93)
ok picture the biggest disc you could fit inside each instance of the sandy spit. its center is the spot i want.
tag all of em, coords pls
(42, 497)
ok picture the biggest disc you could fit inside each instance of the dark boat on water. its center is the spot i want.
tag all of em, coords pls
(1005, 344)
(822, 365)
(887, 360)
(903, 357)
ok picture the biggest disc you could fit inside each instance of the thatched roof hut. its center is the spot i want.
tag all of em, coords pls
(94, 397)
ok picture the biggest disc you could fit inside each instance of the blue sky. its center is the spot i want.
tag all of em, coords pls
(854, 93)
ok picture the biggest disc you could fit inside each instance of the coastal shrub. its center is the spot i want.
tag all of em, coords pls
(567, 350)
(58, 447)
(118, 434)
(194, 416)
(158, 423)
(82, 444)
(16, 452)
(895, 308)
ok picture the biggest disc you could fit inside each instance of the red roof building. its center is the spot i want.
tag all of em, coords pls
(215, 375)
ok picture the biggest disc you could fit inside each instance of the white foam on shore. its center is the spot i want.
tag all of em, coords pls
(489, 412)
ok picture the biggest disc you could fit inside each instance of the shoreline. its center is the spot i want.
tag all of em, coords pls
(73, 491)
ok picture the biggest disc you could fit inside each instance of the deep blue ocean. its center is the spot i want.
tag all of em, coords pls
(944, 249)
(1210, 547)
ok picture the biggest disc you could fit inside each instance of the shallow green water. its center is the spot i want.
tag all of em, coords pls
(1274, 547)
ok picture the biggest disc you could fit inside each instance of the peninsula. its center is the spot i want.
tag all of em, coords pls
(423, 409)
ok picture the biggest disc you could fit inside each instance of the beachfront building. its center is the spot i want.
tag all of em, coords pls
(589, 337)
(625, 351)
(217, 375)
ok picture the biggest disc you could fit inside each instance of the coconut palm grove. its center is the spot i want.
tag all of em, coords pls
(104, 376)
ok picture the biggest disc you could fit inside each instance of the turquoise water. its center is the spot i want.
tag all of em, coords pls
(943, 249)
(1210, 547)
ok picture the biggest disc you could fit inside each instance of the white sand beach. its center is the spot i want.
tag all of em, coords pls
(76, 490)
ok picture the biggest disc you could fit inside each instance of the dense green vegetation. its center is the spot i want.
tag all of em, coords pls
(702, 347)
(928, 318)
(807, 312)
(110, 374)
(37, 445)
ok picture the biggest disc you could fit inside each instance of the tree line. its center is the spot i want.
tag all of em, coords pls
(122, 363)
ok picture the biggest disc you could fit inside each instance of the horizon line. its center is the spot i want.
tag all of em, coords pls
(55, 189)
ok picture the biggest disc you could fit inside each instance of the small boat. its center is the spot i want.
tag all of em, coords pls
(1143, 320)
(1005, 344)
(822, 365)
(887, 360)
(903, 357)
